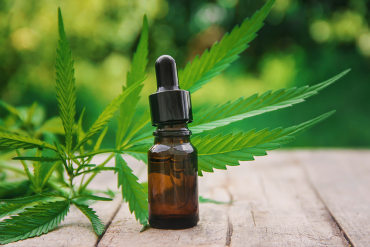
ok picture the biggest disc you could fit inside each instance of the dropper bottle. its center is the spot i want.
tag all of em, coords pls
(172, 160)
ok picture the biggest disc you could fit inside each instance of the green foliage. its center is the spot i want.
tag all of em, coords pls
(106, 115)
(132, 191)
(65, 83)
(221, 150)
(12, 208)
(11, 140)
(15, 188)
(126, 126)
(95, 198)
(33, 221)
(217, 116)
(39, 159)
(34, 198)
(219, 57)
(95, 221)
(10, 108)
(53, 125)
(206, 200)
(41, 210)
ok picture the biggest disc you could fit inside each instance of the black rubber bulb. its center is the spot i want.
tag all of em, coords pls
(169, 104)
(165, 68)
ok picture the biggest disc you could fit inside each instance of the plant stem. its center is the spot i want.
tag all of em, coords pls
(102, 165)
(93, 175)
(71, 185)
(82, 180)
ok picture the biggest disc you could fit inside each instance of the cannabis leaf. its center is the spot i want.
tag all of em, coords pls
(33, 198)
(107, 114)
(53, 125)
(10, 108)
(26, 170)
(126, 126)
(15, 189)
(206, 200)
(98, 225)
(33, 221)
(37, 172)
(95, 198)
(65, 83)
(11, 140)
(132, 191)
(221, 150)
(219, 57)
(39, 159)
(14, 206)
(216, 116)
(100, 139)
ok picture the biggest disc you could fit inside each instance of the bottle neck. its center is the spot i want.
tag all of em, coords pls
(172, 130)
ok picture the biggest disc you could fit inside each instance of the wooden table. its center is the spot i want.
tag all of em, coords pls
(288, 198)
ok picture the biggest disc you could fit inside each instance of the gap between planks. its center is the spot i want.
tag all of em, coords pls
(342, 178)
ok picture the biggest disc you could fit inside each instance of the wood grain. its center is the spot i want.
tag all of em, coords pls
(210, 231)
(342, 180)
(276, 202)
(274, 205)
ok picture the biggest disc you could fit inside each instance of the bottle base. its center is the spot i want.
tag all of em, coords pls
(173, 222)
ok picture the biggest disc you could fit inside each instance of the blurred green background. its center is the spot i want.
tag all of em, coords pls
(302, 43)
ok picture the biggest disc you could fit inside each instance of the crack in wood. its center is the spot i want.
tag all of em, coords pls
(252, 212)
(108, 224)
(307, 177)
(229, 232)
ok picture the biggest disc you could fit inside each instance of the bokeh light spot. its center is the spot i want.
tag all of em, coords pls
(320, 31)
(24, 39)
(363, 43)
(210, 14)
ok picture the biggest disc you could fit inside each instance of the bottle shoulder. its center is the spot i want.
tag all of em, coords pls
(174, 148)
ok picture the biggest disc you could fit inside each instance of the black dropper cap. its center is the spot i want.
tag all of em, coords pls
(170, 104)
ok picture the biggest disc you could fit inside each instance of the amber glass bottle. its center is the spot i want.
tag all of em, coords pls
(172, 160)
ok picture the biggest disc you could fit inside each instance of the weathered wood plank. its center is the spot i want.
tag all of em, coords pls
(342, 179)
(211, 231)
(76, 229)
(274, 205)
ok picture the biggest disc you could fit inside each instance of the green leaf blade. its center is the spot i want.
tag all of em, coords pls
(217, 116)
(219, 151)
(38, 159)
(11, 140)
(132, 191)
(218, 58)
(65, 83)
(33, 221)
(137, 73)
(107, 114)
(7, 209)
(98, 225)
